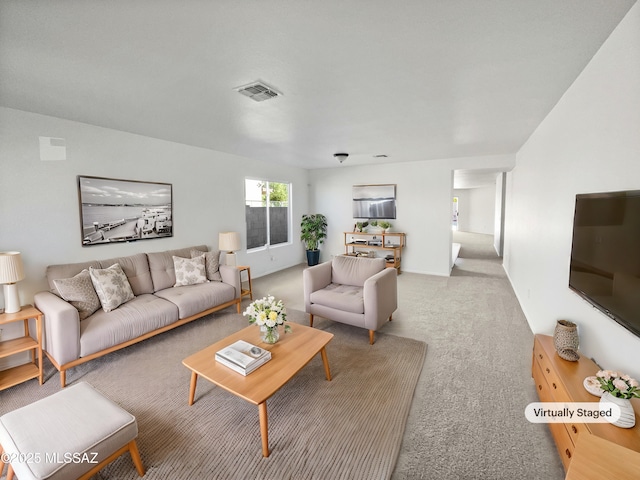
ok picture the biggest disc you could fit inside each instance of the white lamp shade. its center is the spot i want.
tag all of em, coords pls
(229, 241)
(11, 269)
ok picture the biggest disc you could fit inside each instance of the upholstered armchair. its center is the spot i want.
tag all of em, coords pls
(354, 290)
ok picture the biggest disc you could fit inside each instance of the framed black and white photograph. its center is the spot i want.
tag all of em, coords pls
(113, 210)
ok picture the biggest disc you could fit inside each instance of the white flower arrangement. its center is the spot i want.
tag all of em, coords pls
(267, 313)
(618, 384)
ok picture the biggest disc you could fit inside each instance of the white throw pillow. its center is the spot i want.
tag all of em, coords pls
(79, 292)
(112, 286)
(189, 271)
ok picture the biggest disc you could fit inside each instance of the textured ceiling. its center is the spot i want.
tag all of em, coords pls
(414, 80)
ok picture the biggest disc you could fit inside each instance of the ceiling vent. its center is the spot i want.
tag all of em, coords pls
(258, 91)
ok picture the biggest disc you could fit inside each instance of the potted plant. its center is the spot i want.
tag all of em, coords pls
(384, 225)
(360, 226)
(313, 231)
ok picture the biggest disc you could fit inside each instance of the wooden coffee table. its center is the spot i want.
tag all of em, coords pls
(292, 352)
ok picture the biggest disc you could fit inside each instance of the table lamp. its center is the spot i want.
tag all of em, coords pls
(11, 271)
(229, 242)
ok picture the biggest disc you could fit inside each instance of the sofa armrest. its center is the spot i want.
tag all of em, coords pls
(380, 293)
(61, 327)
(313, 279)
(231, 275)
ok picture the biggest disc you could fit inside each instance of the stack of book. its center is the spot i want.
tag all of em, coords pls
(243, 357)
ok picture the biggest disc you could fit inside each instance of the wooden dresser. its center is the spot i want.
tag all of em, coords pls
(559, 380)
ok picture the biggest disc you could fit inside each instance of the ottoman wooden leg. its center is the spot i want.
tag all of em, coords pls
(135, 456)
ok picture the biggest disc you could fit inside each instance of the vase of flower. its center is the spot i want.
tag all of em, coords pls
(269, 334)
(566, 340)
(268, 313)
(627, 415)
(619, 389)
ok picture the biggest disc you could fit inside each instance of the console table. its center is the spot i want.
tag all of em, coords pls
(356, 242)
(559, 380)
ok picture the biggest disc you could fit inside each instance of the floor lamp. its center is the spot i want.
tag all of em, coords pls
(229, 242)
(11, 271)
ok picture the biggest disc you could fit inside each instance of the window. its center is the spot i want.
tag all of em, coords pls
(267, 213)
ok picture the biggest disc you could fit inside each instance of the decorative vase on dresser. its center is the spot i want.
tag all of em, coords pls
(627, 415)
(566, 340)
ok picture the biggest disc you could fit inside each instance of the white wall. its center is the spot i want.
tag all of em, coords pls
(498, 230)
(590, 142)
(424, 195)
(476, 209)
(39, 214)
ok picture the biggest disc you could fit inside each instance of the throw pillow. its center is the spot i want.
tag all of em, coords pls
(189, 271)
(112, 286)
(211, 264)
(79, 292)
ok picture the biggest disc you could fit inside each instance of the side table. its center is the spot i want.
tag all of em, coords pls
(22, 373)
(245, 291)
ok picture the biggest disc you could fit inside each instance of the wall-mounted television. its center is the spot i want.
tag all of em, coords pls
(605, 254)
(374, 201)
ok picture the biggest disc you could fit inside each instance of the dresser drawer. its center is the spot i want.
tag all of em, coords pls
(541, 357)
(563, 443)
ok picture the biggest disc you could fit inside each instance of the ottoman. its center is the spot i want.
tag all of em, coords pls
(70, 434)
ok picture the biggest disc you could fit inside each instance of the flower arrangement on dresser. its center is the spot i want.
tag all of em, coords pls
(268, 313)
(618, 384)
(619, 388)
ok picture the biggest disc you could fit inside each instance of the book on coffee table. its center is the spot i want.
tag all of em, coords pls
(243, 357)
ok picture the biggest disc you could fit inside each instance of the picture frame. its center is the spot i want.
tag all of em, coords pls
(114, 210)
(374, 202)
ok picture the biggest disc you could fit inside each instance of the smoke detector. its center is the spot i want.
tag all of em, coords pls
(258, 91)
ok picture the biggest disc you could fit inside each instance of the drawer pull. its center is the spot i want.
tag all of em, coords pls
(575, 430)
(568, 453)
(539, 387)
(547, 369)
(554, 385)
(540, 355)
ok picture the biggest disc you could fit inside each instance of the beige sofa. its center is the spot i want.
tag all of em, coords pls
(74, 335)
(353, 290)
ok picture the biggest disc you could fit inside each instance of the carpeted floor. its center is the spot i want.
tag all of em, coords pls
(467, 417)
(350, 428)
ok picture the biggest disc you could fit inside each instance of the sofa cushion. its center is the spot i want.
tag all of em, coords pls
(138, 316)
(111, 285)
(189, 271)
(66, 270)
(136, 268)
(79, 292)
(193, 299)
(354, 270)
(161, 266)
(211, 264)
(347, 298)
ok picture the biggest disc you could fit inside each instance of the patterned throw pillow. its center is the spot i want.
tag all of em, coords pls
(189, 271)
(112, 286)
(211, 264)
(79, 292)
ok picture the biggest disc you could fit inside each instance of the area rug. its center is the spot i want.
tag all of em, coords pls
(348, 428)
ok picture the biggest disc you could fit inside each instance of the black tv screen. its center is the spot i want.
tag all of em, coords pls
(374, 201)
(605, 254)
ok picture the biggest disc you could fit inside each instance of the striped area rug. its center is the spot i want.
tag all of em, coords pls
(349, 428)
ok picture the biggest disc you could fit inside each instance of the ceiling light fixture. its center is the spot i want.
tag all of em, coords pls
(341, 156)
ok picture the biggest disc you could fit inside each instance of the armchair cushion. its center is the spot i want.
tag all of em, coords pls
(347, 298)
